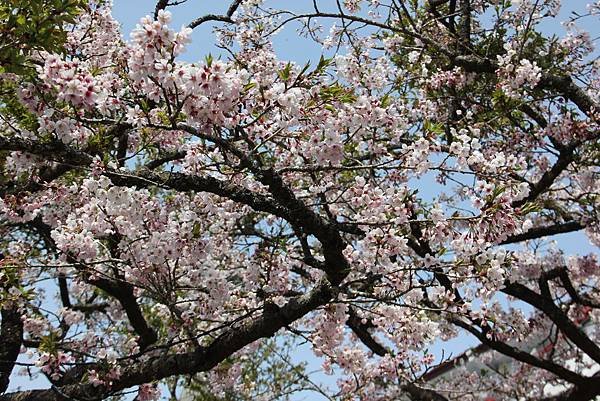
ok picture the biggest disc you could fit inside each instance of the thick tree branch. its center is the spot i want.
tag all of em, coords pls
(583, 393)
(521, 355)
(218, 18)
(540, 232)
(64, 290)
(121, 291)
(566, 156)
(561, 85)
(204, 359)
(565, 325)
(160, 5)
(53, 150)
(11, 337)
(417, 393)
(286, 205)
(361, 330)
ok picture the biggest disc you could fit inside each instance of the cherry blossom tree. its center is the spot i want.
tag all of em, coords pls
(169, 224)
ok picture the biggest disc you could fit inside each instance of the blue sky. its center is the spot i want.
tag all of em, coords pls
(287, 44)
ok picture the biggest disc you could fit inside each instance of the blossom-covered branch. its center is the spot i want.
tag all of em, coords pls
(168, 224)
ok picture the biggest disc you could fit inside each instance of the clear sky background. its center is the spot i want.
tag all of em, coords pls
(289, 46)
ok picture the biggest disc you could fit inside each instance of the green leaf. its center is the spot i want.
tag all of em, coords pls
(196, 230)
(249, 86)
(285, 73)
(208, 59)
(323, 63)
